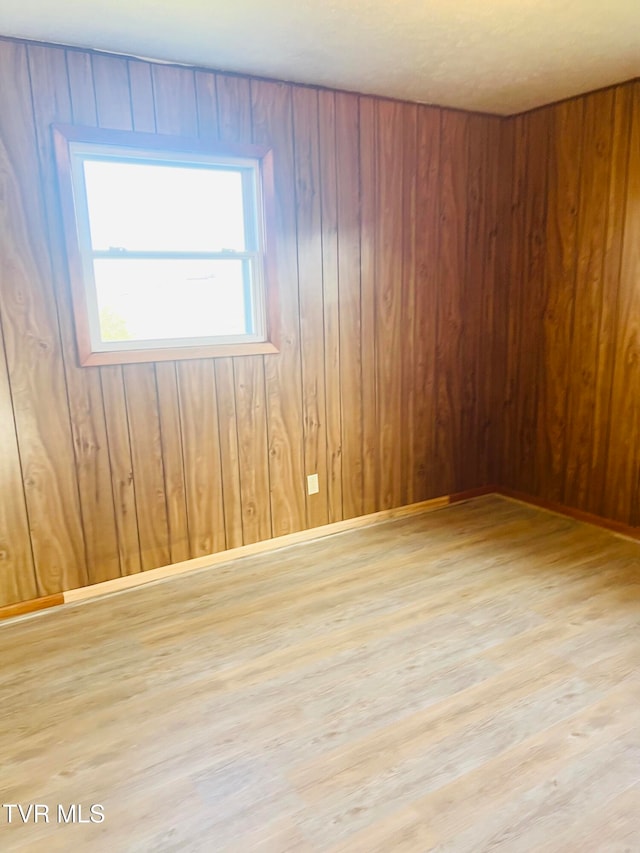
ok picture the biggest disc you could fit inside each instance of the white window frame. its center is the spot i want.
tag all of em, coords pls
(73, 147)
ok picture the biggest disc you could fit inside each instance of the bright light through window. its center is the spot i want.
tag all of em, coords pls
(167, 207)
(146, 300)
(171, 247)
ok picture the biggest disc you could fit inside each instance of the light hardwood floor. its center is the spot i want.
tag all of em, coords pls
(464, 680)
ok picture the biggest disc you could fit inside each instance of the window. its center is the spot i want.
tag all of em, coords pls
(167, 246)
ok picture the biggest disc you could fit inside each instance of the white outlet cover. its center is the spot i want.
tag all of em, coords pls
(313, 487)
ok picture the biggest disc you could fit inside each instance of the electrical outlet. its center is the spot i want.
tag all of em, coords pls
(313, 487)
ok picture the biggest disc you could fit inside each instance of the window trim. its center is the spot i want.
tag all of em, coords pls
(158, 144)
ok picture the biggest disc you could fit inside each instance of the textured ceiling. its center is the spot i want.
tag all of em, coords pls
(501, 56)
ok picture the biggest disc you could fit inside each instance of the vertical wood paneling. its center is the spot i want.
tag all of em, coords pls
(425, 483)
(532, 295)
(472, 299)
(458, 304)
(623, 461)
(253, 450)
(201, 450)
(113, 110)
(207, 105)
(408, 301)
(602, 499)
(176, 112)
(208, 126)
(175, 100)
(51, 103)
(229, 452)
(148, 467)
(500, 330)
(81, 93)
(32, 344)
(84, 103)
(17, 576)
(124, 488)
(368, 156)
(272, 125)
(153, 410)
(328, 152)
(563, 168)
(171, 439)
(117, 109)
(587, 314)
(485, 338)
(186, 105)
(233, 98)
(142, 103)
(450, 363)
(112, 93)
(143, 108)
(513, 283)
(309, 256)
(351, 394)
(574, 436)
(382, 271)
(390, 337)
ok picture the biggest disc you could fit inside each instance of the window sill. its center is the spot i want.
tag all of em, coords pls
(176, 353)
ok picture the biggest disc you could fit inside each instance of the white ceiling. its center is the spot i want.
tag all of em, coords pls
(500, 56)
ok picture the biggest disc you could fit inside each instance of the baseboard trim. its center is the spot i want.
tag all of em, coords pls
(210, 561)
(618, 527)
(32, 605)
(202, 563)
(478, 492)
(264, 547)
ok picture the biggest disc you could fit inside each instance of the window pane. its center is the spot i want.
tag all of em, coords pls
(158, 207)
(166, 299)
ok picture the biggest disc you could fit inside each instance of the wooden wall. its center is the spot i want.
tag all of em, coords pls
(569, 299)
(387, 253)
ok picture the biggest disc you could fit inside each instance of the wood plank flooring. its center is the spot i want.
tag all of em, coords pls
(465, 680)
